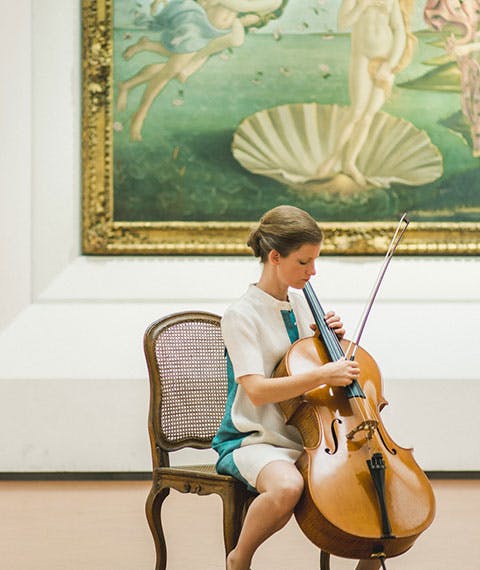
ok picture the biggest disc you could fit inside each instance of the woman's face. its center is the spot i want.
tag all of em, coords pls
(295, 269)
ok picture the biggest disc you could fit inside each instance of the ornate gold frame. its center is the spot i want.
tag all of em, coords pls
(103, 235)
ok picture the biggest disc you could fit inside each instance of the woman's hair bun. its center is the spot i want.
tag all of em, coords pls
(285, 229)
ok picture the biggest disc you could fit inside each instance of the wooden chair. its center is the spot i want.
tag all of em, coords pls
(188, 390)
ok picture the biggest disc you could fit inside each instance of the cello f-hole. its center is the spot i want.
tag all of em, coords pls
(391, 450)
(334, 436)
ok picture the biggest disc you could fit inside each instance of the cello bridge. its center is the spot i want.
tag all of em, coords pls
(368, 426)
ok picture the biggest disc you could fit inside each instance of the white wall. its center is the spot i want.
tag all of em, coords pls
(73, 385)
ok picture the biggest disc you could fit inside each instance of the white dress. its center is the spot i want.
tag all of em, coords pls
(258, 330)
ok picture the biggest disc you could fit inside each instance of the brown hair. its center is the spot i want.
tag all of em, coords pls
(285, 229)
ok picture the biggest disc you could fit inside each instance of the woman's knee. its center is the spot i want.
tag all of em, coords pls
(292, 489)
(283, 481)
(288, 492)
(237, 35)
(177, 64)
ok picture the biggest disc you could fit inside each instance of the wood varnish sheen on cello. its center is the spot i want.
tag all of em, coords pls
(339, 510)
(364, 496)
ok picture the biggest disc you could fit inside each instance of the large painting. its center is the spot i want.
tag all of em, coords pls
(199, 116)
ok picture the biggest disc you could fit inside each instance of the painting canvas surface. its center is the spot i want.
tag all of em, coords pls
(218, 124)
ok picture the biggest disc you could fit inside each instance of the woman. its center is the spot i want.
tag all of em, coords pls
(381, 45)
(464, 17)
(253, 442)
(189, 33)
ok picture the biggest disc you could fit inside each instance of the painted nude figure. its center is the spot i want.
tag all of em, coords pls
(381, 45)
(189, 33)
(464, 15)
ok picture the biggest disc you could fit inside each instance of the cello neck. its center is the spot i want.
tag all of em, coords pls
(330, 339)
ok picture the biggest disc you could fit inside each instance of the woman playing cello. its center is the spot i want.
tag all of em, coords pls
(253, 442)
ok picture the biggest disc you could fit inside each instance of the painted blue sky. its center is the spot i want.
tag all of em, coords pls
(300, 16)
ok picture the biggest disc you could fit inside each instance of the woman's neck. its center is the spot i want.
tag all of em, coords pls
(270, 284)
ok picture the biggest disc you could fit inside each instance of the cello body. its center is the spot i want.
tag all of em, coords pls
(342, 510)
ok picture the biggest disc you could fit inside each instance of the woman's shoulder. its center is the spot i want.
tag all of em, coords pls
(240, 308)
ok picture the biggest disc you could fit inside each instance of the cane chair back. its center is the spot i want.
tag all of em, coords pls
(188, 390)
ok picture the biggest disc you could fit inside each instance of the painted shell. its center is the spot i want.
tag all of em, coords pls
(290, 142)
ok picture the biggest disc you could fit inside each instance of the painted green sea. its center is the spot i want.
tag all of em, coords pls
(184, 170)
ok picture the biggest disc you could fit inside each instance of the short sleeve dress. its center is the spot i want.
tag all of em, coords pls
(257, 330)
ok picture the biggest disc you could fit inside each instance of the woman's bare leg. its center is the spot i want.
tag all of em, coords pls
(143, 76)
(145, 44)
(367, 99)
(280, 485)
(359, 135)
(234, 39)
(360, 86)
(175, 65)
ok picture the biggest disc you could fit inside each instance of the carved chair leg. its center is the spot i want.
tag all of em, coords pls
(324, 560)
(153, 509)
(233, 513)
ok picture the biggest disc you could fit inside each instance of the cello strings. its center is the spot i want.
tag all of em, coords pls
(330, 339)
(335, 350)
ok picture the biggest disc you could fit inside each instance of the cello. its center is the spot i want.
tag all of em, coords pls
(364, 496)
